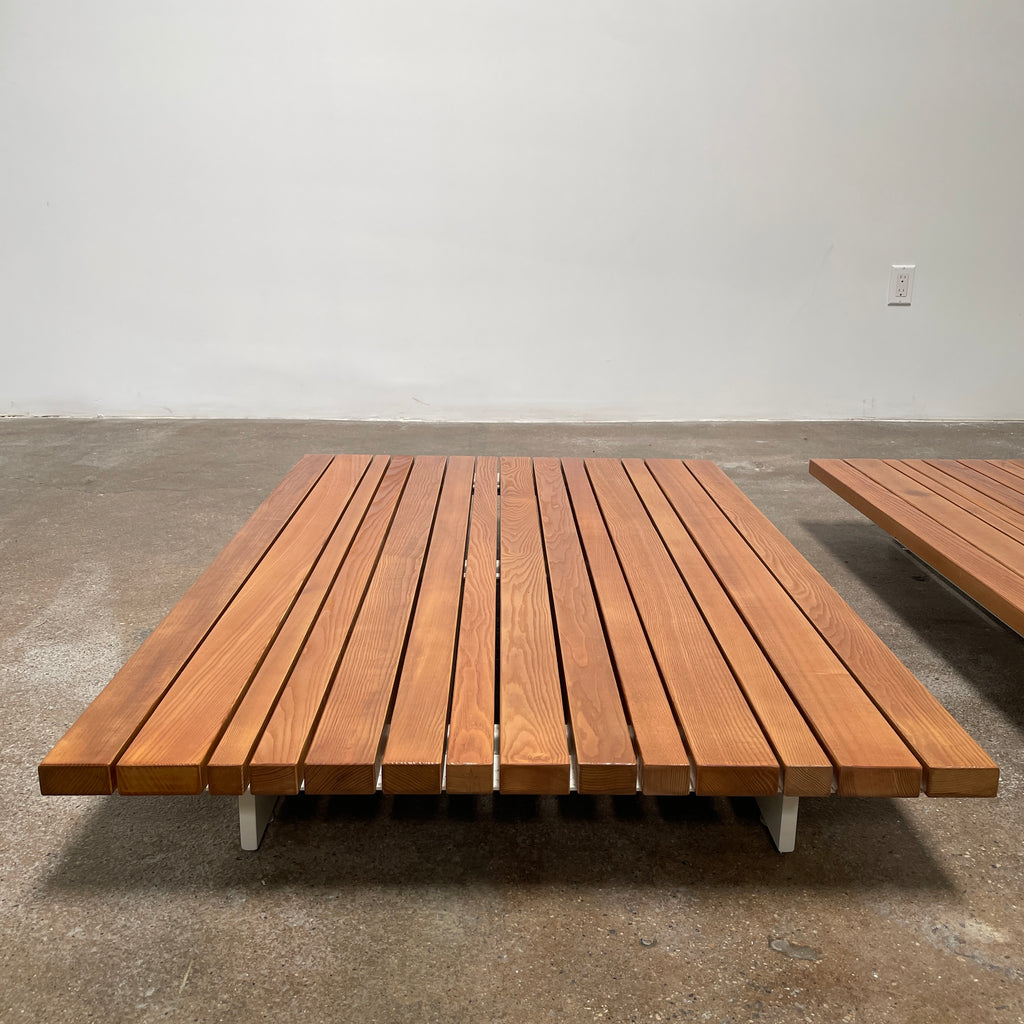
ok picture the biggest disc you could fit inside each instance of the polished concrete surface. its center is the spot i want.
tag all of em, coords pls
(405, 910)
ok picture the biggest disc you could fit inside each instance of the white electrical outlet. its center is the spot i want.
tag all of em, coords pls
(901, 284)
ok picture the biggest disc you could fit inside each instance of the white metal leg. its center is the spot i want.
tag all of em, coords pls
(254, 814)
(779, 815)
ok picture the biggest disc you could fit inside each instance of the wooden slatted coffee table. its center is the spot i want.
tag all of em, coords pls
(965, 518)
(431, 624)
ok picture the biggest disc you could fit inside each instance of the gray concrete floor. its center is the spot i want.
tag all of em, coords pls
(407, 910)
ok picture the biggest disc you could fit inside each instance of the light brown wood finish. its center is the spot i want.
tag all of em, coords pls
(533, 750)
(83, 760)
(954, 764)
(1007, 497)
(314, 611)
(605, 762)
(414, 757)
(650, 593)
(806, 770)
(977, 502)
(276, 765)
(870, 759)
(1005, 477)
(987, 580)
(1014, 467)
(978, 534)
(342, 756)
(171, 749)
(974, 503)
(730, 753)
(665, 764)
(470, 754)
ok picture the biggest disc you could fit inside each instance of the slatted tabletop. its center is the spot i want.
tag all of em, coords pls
(462, 624)
(963, 517)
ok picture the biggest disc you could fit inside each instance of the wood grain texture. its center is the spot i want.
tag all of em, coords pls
(977, 502)
(983, 577)
(342, 756)
(1005, 476)
(84, 758)
(1007, 498)
(170, 751)
(1013, 466)
(869, 758)
(533, 750)
(806, 770)
(605, 762)
(954, 764)
(227, 771)
(973, 502)
(665, 764)
(276, 766)
(730, 753)
(470, 754)
(413, 759)
(977, 534)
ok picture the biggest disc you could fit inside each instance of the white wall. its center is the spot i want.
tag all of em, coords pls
(543, 209)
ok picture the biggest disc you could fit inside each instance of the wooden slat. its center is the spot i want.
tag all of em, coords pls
(954, 764)
(870, 759)
(470, 754)
(83, 760)
(977, 534)
(228, 769)
(605, 762)
(171, 749)
(977, 502)
(1007, 497)
(973, 502)
(1013, 466)
(533, 750)
(342, 756)
(414, 756)
(806, 770)
(730, 753)
(665, 764)
(1005, 477)
(276, 764)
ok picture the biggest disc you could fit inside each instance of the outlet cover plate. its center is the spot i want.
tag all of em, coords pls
(901, 284)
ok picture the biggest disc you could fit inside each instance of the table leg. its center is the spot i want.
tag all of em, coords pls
(254, 814)
(779, 815)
